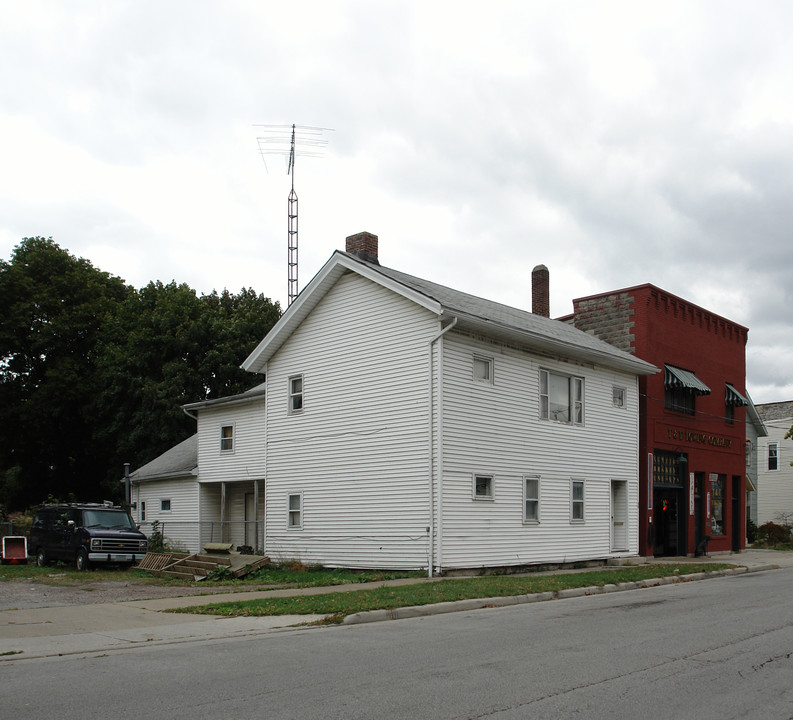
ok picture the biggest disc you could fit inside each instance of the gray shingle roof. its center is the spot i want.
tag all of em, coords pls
(181, 459)
(775, 411)
(513, 319)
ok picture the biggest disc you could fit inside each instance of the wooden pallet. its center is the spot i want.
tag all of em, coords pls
(199, 566)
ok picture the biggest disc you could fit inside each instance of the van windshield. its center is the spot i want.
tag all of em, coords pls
(108, 519)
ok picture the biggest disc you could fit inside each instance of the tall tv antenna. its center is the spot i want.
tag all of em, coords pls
(304, 141)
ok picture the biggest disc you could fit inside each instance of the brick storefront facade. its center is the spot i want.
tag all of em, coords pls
(692, 467)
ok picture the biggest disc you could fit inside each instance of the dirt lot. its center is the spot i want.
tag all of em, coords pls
(19, 594)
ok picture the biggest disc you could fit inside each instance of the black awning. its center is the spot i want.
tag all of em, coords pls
(675, 377)
(733, 397)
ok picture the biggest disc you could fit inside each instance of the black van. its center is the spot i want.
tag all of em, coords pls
(85, 533)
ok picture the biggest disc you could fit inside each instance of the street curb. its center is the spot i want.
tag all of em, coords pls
(414, 611)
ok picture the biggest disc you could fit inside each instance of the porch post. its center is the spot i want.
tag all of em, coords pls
(255, 515)
(222, 512)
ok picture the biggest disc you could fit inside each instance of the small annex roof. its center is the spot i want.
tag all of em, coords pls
(180, 461)
(255, 392)
(472, 313)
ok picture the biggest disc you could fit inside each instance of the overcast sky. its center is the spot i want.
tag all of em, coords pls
(618, 143)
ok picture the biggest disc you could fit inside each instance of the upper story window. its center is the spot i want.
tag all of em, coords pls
(483, 487)
(561, 397)
(165, 505)
(227, 438)
(732, 399)
(483, 369)
(295, 394)
(773, 456)
(618, 396)
(681, 388)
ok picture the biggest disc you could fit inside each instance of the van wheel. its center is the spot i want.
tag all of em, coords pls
(41, 558)
(81, 563)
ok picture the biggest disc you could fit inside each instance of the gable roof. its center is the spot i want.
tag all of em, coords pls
(180, 461)
(473, 313)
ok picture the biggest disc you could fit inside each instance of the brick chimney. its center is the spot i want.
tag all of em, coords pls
(540, 291)
(364, 246)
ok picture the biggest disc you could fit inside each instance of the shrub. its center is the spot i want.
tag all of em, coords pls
(751, 531)
(772, 534)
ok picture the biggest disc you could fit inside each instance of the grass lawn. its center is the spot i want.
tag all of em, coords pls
(339, 604)
(292, 574)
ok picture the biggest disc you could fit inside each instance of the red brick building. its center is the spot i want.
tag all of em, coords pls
(691, 436)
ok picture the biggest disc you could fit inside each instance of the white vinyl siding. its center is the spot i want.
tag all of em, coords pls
(246, 461)
(179, 524)
(359, 451)
(775, 486)
(508, 436)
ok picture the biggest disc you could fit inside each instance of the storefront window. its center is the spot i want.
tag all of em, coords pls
(717, 505)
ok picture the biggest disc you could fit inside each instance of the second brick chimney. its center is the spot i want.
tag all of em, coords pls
(540, 291)
(364, 246)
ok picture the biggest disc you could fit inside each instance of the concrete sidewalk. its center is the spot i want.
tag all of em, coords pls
(71, 630)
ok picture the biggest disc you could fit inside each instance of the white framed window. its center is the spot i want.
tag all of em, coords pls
(295, 394)
(561, 398)
(531, 499)
(773, 456)
(165, 505)
(227, 438)
(483, 487)
(294, 517)
(483, 369)
(576, 501)
(618, 396)
(142, 510)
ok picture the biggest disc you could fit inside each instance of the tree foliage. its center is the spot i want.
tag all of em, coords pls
(93, 372)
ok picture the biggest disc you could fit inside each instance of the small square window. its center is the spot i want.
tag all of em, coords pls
(618, 396)
(483, 487)
(483, 369)
(531, 499)
(165, 505)
(227, 438)
(577, 501)
(296, 394)
(295, 512)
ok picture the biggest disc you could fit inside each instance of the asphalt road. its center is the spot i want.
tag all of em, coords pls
(717, 649)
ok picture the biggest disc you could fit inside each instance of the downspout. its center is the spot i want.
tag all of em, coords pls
(431, 445)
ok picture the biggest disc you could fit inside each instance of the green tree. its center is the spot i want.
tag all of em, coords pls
(93, 372)
(166, 347)
(53, 307)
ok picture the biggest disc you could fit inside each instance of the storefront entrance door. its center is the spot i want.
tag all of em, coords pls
(668, 518)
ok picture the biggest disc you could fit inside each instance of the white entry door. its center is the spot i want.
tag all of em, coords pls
(619, 515)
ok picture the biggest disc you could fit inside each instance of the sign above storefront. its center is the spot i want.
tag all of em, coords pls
(685, 436)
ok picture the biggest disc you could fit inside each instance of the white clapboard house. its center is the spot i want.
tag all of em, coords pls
(209, 488)
(409, 425)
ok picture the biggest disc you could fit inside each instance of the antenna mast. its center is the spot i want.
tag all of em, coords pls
(274, 143)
